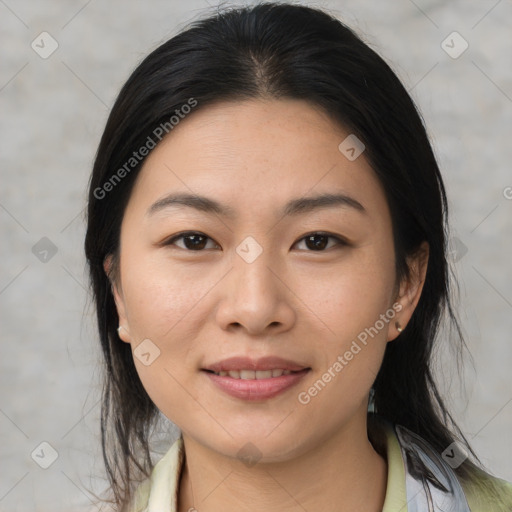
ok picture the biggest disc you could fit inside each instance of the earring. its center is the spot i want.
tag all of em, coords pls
(119, 329)
(398, 328)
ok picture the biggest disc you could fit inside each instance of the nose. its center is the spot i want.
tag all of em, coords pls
(255, 298)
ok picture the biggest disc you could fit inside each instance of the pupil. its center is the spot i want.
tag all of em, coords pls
(197, 243)
(319, 241)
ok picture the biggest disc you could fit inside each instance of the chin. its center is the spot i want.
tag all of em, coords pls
(255, 445)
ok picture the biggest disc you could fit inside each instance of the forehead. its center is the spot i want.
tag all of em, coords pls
(257, 155)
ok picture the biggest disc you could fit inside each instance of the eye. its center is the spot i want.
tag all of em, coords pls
(192, 240)
(318, 242)
(196, 241)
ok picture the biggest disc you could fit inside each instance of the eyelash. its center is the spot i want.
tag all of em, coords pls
(172, 240)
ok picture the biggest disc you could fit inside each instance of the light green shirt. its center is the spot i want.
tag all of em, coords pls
(159, 493)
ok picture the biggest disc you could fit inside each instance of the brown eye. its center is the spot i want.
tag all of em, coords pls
(192, 241)
(320, 241)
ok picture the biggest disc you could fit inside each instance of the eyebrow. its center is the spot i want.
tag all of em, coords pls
(297, 206)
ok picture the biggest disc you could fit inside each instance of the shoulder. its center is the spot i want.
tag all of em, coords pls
(159, 491)
(418, 475)
(140, 499)
(486, 493)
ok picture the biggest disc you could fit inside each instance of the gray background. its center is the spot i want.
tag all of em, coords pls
(53, 113)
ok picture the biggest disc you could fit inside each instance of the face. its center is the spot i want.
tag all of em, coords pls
(262, 267)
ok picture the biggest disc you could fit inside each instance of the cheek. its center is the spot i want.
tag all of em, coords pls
(351, 296)
(358, 314)
(354, 304)
(159, 297)
(162, 306)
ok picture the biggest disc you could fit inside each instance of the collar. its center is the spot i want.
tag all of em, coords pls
(434, 488)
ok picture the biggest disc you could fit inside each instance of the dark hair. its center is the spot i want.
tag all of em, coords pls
(277, 50)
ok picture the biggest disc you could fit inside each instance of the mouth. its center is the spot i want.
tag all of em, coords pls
(255, 386)
(245, 367)
(254, 379)
(254, 374)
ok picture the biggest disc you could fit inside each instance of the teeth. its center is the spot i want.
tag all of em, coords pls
(251, 374)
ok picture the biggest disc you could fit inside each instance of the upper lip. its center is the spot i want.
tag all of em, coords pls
(246, 363)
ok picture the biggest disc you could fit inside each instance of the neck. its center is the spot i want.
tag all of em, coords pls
(342, 473)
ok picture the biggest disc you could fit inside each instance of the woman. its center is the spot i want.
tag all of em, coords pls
(267, 249)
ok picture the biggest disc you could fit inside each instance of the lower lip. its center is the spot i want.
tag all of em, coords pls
(256, 389)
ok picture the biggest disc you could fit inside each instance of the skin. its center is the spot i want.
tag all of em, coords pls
(293, 301)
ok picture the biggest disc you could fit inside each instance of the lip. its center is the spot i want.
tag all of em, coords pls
(256, 389)
(263, 363)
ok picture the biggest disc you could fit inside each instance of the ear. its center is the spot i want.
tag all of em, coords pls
(117, 292)
(410, 290)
